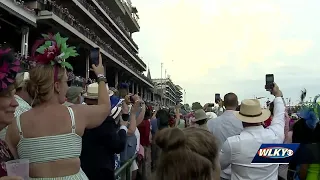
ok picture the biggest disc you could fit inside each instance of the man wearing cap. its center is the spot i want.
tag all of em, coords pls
(99, 145)
(21, 96)
(74, 96)
(238, 151)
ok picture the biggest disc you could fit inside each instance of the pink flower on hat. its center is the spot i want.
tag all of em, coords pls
(9, 67)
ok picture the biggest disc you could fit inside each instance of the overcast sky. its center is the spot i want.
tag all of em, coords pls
(221, 46)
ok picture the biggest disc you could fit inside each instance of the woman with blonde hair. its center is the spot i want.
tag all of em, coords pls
(49, 135)
(187, 154)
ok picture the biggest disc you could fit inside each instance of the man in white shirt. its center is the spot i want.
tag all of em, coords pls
(238, 151)
(226, 125)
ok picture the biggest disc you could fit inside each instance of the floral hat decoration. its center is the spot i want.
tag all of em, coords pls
(53, 49)
(9, 67)
(309, 111)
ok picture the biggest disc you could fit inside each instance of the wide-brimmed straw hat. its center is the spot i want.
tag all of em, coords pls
(251, 112)
(92, 91)
(200, 114)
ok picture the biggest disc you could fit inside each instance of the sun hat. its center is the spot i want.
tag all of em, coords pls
(211, 115)
(92, 91)
(73, 93)
(199, 114)
(21, 79)
(251, 112)
(9, 67)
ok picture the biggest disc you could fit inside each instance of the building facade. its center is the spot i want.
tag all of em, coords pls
(166, 92)
(108, 25)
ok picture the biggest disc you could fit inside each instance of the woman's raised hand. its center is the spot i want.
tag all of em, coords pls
(99, 69)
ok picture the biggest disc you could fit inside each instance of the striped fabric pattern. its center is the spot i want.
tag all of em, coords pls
(23, 106)
(3, 133)
(52, 148)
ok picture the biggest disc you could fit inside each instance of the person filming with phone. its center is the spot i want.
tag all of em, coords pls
(134, 110)
(208, 108)
(253, 135)
(220, 109)
(50, 134)
(226, 125)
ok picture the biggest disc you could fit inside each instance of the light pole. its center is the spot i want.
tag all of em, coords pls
(161, 86)
(185, 97)
(165, 74)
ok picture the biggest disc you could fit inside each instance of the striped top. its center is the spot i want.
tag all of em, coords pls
(50, 148)
(23, 106)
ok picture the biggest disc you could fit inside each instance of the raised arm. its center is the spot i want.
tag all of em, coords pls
(94, 115)
(142, 113)
(278, 120)
(156, 108)
(133, 116)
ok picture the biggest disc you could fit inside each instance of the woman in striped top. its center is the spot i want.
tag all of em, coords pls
(49, 135)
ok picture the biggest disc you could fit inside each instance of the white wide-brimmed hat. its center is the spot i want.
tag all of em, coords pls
(92, 91)
(251, 112)
(211, 115)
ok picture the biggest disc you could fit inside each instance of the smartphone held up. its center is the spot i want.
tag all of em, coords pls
(217, 98)
(269, 82)
(94, 56)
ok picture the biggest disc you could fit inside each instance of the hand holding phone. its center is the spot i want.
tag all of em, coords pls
(94, 56)
(217, 98)
(269, 82)
(97, 66)
(133, 98)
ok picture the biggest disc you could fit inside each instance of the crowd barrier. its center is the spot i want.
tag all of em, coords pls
(124, 171)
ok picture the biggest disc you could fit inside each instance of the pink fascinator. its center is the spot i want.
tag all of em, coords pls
(9, 67)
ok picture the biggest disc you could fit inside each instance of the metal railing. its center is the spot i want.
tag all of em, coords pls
(64, 14)
(94, 12)
(124, 171)
(117, 20)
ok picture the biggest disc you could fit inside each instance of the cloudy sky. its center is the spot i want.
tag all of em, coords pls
(221, 46)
